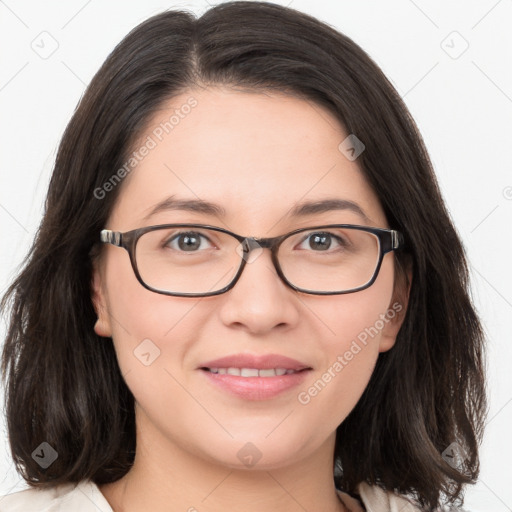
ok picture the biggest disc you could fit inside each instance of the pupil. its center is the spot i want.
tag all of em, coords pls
(320, 239)
(188, 242)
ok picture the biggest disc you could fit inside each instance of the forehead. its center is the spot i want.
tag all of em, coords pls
(255, 154)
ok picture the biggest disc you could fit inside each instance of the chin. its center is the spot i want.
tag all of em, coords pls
(255, 452)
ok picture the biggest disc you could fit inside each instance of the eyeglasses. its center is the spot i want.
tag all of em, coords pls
(196, 260)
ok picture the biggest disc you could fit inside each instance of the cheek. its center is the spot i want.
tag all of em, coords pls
(144, 323)
(354, 323)
(152, 335)
(358, 316)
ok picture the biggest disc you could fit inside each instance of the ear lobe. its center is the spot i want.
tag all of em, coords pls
(395, 314)
(102, 327)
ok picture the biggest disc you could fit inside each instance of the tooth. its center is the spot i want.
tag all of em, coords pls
(252, 372)
(248, 372)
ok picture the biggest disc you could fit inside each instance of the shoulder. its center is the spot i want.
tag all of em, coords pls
(82, 497)
(376, 499)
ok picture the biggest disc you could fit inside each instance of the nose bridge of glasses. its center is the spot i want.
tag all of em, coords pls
(252, 247)
(252, 243)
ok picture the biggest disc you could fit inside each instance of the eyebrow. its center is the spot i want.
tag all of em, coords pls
(302, 209)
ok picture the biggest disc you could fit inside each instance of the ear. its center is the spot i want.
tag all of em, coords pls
(394, 316)
(102, 327)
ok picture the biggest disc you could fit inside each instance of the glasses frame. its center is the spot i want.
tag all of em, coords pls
(389, 240)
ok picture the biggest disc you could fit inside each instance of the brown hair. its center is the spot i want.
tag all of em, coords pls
(63, 383)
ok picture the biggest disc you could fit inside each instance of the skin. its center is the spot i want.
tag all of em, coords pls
(257, 155)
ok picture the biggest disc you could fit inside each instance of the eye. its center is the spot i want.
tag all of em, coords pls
(323, 240)
(188, 241)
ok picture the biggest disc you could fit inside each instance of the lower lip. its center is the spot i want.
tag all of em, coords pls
(256, 388)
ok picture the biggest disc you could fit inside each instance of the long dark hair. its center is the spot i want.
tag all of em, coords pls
(63, 383)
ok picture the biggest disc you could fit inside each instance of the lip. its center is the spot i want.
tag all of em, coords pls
(261, 362)
(256, 388)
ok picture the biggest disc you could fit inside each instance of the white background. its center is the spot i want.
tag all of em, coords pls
(462, 105)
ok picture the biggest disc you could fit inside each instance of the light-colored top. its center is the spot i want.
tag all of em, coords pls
(86, 497)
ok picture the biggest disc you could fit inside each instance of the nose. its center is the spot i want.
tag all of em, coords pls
(260, 300)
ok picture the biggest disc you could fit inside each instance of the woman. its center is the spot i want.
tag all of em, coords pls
(246, 291)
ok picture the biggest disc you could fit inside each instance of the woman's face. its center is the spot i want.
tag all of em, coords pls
(257, 156)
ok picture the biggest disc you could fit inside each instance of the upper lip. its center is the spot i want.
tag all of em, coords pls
(261, 362)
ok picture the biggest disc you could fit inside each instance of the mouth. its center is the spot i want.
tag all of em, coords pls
(255, 377)
(253, 372)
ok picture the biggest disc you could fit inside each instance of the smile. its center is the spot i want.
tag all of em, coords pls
(251, 372)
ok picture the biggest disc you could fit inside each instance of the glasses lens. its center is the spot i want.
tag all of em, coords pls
(192, 260)
(329, 260)
(187, 259)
